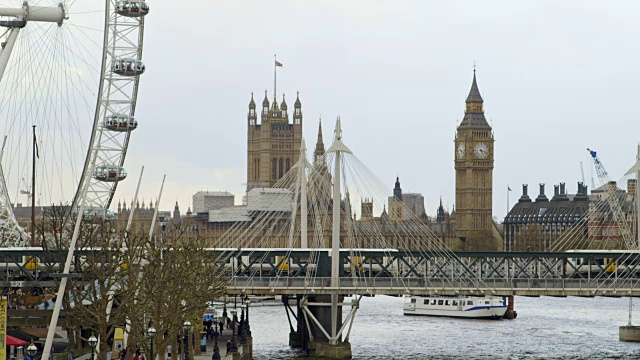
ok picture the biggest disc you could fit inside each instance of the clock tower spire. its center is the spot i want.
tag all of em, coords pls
(474, 174)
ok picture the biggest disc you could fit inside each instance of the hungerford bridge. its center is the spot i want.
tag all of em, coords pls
(361, 259)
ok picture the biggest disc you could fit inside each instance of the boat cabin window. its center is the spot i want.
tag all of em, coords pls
(486, 302)
(440, 302)
(469, 302)
(426, 302)
(446, 302)
(455, 302)
(413, 301)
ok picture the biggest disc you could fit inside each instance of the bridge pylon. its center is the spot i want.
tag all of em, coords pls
(323, 313)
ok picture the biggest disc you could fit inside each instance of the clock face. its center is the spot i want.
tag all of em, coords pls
(481, 151)
(460, 151)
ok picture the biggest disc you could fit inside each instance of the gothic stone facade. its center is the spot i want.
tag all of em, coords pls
(474, 175)
(273, 145)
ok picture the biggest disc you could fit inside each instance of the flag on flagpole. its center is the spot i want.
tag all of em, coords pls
(508, 188)
(36, 143)
(278, 63)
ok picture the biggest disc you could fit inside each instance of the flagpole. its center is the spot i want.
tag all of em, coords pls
(274, 75)
(508, 191)
(507, 246)
(33, 190)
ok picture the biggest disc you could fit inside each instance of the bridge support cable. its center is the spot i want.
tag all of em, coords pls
(112, 288)
(594, 230)
(613, 198)
(635, 169)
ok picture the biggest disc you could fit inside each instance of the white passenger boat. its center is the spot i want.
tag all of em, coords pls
(470, 307)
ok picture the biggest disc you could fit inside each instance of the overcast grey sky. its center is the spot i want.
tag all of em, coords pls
(556, 78)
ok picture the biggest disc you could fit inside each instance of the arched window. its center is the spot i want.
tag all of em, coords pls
(274, 169)
(281, 168)
(288, 164)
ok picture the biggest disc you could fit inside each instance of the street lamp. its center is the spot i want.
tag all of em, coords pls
(241, 330)
(234, 342)
(32, 350)
(186, 326)
(152, 333)
(92, 343)
(246, 325)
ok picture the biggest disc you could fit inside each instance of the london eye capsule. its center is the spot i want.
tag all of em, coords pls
(120, 122)
(109, 173)
(132, 8)
(128, 67)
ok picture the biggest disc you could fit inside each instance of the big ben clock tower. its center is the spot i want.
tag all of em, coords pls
(474, 174)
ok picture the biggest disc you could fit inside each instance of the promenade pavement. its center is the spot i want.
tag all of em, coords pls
(222, 344)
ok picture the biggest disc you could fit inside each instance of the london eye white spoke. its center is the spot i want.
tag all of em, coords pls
(60, 78)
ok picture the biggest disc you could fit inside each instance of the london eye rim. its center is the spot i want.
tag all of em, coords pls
(101, 193)
(112, 94)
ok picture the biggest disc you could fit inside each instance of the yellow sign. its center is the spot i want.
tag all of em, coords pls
(3, 328)
(118, 334)
(118, 343)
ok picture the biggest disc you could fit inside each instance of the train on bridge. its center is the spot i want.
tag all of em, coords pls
(26, 263)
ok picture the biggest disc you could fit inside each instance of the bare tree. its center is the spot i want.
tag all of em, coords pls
(128, 281)
(176, 282)
(108, 261)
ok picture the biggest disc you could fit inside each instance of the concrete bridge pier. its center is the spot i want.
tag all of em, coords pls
(297, 332)
(317, 318)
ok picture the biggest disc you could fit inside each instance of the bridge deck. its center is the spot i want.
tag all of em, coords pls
(403, 286)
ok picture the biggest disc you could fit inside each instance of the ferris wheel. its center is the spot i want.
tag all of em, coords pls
(69, 77)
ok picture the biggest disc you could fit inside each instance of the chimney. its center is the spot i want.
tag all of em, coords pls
(581, 195)
(563, 193)
(632, 185)
(556, 192)
(613, 184)
(525, 197)
(542, 197)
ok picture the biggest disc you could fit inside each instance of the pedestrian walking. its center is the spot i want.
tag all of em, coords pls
(228, 346)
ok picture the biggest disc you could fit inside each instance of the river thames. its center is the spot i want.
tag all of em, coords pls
(546, 328)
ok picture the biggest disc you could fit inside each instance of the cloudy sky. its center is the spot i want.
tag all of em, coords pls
(556, 77)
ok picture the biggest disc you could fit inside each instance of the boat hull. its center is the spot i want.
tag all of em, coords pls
(490, 307)
(488, 316)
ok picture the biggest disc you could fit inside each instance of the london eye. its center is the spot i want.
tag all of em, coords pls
(70, 72)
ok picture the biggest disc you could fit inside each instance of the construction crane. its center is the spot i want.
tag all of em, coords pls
(614, 203)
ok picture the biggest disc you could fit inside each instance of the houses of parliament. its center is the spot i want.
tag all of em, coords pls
(274, 137)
